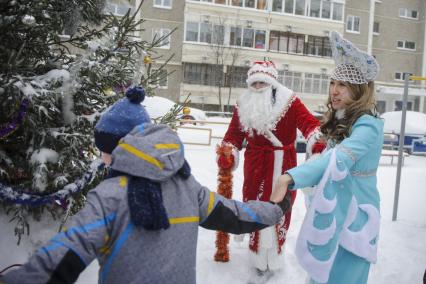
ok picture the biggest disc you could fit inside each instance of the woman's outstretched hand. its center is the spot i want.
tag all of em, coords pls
(280, 188)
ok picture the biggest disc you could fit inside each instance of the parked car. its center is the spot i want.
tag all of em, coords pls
(300, 140)
(159, 106)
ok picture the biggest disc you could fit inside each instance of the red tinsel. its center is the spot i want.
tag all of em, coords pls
(225, 162)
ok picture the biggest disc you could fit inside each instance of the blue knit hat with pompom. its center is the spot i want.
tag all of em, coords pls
(120, 119)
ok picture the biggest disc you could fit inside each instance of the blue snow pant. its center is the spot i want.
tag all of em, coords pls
(348, 269)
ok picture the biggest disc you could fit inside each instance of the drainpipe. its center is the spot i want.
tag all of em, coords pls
(423, 83)
(370, 27)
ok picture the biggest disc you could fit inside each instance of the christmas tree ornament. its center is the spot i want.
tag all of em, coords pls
(147, 59)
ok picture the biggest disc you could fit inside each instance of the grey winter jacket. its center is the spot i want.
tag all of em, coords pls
(129, 254)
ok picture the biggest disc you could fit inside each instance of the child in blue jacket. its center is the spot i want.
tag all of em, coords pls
(141, 223)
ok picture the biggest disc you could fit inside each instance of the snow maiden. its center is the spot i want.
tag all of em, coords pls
(338, 238)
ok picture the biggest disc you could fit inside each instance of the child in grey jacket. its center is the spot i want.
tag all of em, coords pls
(141, 223)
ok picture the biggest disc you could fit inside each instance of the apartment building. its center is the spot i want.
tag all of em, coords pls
(217, 40)
(223, 37)
(394, 32)
(161, 18)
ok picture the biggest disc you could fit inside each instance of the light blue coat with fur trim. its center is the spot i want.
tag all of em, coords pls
(344, 213)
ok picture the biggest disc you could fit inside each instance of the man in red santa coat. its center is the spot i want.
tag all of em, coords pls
(268, 115)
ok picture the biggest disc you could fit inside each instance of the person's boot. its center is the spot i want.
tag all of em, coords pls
(260, 276)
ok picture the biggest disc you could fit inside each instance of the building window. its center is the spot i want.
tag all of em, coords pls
(205, 32)
(337, 11)
(259, 39)
(381, 106)
(164, 35)
(400, 76)
(326, 10)
(235, 36)
(292, 80)
(352, 24)
(300, 7)
(296, 43)
(203, 74)
(159, 78)
(289, 6)
(238, 3)
(376, 28)
(222, 2)
(319, 46)
(163, 4)
(191, 31)
(398, 106)
(407, 13)
(277, 5)
(247, 37)
(249, 3)
(404, 44)
(116, 9)
(218, 34)
(286, 42)
(315, 8)
(316, 83)
(239, 77)
(261, 4)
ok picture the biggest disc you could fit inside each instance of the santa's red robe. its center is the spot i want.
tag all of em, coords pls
(259, 156)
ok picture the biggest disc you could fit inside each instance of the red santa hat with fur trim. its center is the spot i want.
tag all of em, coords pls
(262, 71)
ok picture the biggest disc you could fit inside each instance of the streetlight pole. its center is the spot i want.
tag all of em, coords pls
(407, 79)
(401, 147)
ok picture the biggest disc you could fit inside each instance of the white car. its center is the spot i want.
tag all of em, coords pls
(159, 106)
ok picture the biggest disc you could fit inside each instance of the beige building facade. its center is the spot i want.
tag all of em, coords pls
(394, 32)
(216, 41)
(226, 36)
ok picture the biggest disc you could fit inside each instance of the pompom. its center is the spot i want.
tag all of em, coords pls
(135, 95)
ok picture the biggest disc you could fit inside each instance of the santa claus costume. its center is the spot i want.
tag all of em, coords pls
(268, 119)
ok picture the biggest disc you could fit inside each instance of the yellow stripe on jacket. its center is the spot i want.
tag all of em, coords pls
(180, 220)
(138, 153)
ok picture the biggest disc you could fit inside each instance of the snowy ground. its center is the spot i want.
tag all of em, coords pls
(402, 247)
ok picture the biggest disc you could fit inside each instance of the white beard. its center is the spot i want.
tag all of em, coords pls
(257, 111)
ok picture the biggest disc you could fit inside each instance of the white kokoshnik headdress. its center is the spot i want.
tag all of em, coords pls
(352, 65)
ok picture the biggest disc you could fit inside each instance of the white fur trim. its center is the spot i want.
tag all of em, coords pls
(340, 113)
(236, 155)
(265, 72)
(261, 77)
(267, 255)
(359, 242)
(309, 234)
(311, 139)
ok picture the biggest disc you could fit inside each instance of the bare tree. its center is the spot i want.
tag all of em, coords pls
(224, 58)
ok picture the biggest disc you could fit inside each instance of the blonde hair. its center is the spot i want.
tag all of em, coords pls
(363, 102)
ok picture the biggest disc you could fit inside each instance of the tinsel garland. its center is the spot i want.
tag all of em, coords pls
(226, 163)
(16, 196)
(16, 120)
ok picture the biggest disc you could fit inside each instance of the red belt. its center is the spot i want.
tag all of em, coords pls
(270, 147)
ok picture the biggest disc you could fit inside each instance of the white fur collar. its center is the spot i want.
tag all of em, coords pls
(257, 112)
(340, 113)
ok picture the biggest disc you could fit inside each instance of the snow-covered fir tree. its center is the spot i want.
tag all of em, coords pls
(62, 62)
